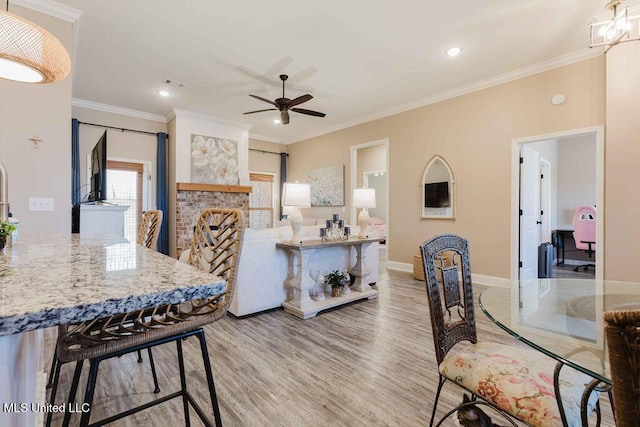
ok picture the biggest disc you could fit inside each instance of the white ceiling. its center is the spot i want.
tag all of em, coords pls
(360, 59)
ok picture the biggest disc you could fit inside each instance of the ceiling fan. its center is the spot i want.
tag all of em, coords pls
(285, 104)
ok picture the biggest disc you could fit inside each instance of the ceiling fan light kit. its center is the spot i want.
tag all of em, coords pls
(285, 104)
(29, 53)
(621, 28)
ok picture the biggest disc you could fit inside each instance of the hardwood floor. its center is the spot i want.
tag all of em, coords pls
(370, 363)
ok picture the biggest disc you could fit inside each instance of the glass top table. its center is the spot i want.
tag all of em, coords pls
(562, 318)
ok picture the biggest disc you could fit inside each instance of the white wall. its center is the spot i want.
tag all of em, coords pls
(188, 123)
(43, 110)
(576, 177)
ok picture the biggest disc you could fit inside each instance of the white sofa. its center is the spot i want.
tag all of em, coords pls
(262, 271)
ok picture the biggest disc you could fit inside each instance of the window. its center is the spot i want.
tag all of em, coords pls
(261, 200)
(125, 181)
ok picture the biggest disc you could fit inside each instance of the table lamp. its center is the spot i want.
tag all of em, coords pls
(364, 198)
(295, 195)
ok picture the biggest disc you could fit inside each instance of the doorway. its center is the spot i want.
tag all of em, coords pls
(534, 210)
(370, 168)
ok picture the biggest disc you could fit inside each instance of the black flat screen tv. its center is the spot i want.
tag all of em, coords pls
(436, 195)
(99, 170)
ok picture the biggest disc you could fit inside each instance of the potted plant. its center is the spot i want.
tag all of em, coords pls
(337, 280)
(6, 228)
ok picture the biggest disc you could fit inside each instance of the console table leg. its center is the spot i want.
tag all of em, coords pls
(361, 270)
(300, 280)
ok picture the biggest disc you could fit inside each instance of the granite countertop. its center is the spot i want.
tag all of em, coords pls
(51, 280)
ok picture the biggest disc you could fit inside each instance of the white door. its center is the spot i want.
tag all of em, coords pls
(529, 212)
(545, 201)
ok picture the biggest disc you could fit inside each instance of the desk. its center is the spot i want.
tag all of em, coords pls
(562, 318)
(300, 277)
(558, 237)
(50, 280)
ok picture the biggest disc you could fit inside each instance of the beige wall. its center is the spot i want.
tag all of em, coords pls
(121, 145)
(267, 162)
(576, 176)
(371, 159)
(45, 111)
(474, 134)
(622, 158)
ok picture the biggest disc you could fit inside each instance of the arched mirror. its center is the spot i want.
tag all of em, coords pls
(438, 190)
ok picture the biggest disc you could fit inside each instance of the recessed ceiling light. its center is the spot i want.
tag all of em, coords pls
(454, 51)
(276, 121)
(164, 93)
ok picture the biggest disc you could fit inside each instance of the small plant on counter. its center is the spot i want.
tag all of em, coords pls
(6, 228)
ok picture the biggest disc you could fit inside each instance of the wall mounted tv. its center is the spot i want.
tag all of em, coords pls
(99, 170)
(436, 195)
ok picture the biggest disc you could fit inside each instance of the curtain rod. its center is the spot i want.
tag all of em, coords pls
(267, 152)
(120, 129)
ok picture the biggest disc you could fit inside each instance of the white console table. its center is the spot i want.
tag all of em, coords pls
(301, 278)
(102, 219)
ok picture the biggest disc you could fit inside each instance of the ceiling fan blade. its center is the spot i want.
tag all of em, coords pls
(260, 111)
(300, 100)
(284, 117)
(263, 99)
(308, 112)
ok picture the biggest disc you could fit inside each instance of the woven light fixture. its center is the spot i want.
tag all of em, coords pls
(29, 53)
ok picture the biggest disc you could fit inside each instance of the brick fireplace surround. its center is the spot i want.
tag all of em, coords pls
(194, 198)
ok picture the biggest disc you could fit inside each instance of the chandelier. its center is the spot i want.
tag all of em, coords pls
(29, 53)
(619, 29)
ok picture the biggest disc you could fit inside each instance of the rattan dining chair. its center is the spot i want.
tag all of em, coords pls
(514, 380)
(149, 229)
(148, 232)
(622, 331)
(215, 248)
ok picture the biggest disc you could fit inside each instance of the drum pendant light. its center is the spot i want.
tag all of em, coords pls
(29, 53)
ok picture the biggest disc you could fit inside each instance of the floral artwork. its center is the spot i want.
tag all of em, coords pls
(327, 186)
(214, 160)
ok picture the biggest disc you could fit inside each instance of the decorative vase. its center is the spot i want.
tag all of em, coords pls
(345, 287)
(336, 292)
(318, 292)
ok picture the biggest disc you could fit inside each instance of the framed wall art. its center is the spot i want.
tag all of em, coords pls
(214, 160)
(327, 186)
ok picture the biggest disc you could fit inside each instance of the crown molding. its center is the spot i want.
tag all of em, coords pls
(178, 112)
(75, 102)
(266, 138)
(520, 73)
(51, 8)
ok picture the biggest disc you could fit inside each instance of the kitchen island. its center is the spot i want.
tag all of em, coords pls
(50, 280)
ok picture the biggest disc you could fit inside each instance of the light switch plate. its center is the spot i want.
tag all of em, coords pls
(44, 204)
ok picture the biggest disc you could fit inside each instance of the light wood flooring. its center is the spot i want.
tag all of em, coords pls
(370, 363)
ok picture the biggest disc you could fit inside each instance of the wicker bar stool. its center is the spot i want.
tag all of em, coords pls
(148, 233)
(215, 248)
(622, 330)
(149, 229)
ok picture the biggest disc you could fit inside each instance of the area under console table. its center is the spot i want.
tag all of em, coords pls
(306, 258)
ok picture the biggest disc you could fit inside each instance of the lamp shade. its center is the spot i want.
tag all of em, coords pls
(296, 194)
(364, 197)
(29, 53)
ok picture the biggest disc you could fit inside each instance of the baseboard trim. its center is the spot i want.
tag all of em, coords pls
(478, 279)
(400, 266)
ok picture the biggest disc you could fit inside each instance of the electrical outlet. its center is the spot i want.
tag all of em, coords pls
(41, 204)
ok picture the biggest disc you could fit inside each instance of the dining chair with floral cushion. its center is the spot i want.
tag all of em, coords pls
(514, 380)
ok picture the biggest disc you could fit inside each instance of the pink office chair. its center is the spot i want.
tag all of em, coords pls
(584, 234)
